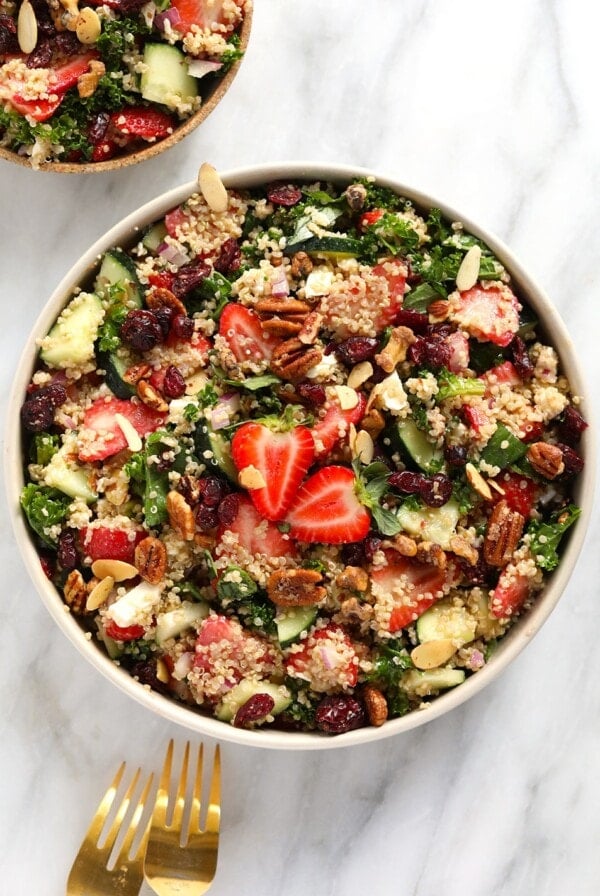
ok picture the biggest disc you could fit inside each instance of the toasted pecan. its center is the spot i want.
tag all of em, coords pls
(295, 587)
(546, 459)
(503, 533)
(375, 704)
(291, 360)
(151, 559)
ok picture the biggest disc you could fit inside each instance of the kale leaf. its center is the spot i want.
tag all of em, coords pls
(544, 537)
(44, 508)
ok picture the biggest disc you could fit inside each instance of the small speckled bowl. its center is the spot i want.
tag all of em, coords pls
(516, 639)
(211, 97)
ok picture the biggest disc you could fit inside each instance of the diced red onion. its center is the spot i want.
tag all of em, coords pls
(173, 255)
(476, 660)
(170, 15)
(279, 284)
(223, 411)
(68, 422)
(183, 665)
(326, 657)
(197, 68)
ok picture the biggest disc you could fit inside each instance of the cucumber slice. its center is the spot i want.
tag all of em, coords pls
(165, 78)
(114, 368)
(431, 680)
(247, 688)
(69, 478)
(437, 524)
(214, 450)
(117, 269)
(154, 236)
(503, 449)
(292, 621)
(445, 620)
(112, 647)
(174, 622)
(326, 217)
(70, 342)
(427, 456)
(329, 246)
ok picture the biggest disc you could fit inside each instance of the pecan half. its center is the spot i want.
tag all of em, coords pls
(547, 460)
(160, 297)
(405, 545)
(432, 553)
(504, 530)
(301, 265)
(136, 372)
(375, 704)
(310, 328)
(282, 317)
(151, 398)
(75, 592)
(353, 578)
(295, 587)
(291, 360)
(373, 422)
(181, 516)
(151, 559)
(401, 338)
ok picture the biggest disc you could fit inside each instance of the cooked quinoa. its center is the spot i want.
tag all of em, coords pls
(285, 470)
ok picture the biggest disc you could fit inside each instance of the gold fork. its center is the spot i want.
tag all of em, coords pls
(181, 857)
(90, 874)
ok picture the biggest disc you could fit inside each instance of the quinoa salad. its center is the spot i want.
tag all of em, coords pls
(300, 456)
(88, 83)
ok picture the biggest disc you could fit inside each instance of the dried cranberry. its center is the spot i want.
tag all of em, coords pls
(37, 413)
(430, 351)
(127, 6)
(211, 490)
(228, 509)
(141, 330)
(455, 455)
(353, 554)
(67, 550)
(230, 257)
(41, 57)
(573, 461)
(520, 358)
(479, 573)
(98, 127)
(414, 320)
(47, 564)
(146, 672)
(436, 491)
(173, 383)
(571, 425)
(338, 713)
(182, 327)
(207, 518)
(67, 43)
(284, 194)
(312, 392)
(189, 276)
(189, 488)
(406, 482)
(254, 709)
(371, 545)
(164, 315)
(356, 349)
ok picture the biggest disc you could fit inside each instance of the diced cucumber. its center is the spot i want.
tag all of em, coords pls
(503, 448)
(329, 246)
(174, 622)
(292, 621)
(113, 648)
(430, 681)
(214, 450)
(446, 620)
(114, 367)
(165, 78)
(436, 524)
(70, 342)
(154, 236)
(326, 216)
(247, 688)
(118, 269)
(68, 477)
(425, 454)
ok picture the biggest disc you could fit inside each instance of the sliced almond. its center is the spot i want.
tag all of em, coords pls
(100, 593)
(251, 478)
(212, 188)
(132, 437)
(27, 28)
(347, 397)
(119, 570)
(468, 271)
(432, 654)
(87, 26)
(195, 383)
(363, 447)
(477, 482)
(162, 672)
(359, 374)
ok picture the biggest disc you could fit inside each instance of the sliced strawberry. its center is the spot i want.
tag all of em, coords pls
(60, 80)
(215, 629)
(414, 586)
(510, 594)
(520, 492)
(367, 219)
(257, 535)
(282, 458)
(105, 543)
(104, 150)
(241, 329)
(174, 219)
(459, 351)
(225, 653)
(490, 315)
(327, 510)
(40, 110)
(161, 279)
(207, 14)
(502, 373)
(123, 633)
(475, 417)
(333, 428)
(326, 651)
(103, 436)
(141, 121)
(394, 273)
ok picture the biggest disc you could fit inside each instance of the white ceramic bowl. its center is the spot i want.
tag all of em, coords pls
(517, 638)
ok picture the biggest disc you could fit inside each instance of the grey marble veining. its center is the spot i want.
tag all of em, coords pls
(493, 107)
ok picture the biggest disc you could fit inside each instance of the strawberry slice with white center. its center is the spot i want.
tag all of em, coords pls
(412, 587)
(110, 543)
(334, 427)
(394, 273)
(143, 122)
(510, 594)
(256, 534)
(327, 510)
(281, 459)
(216, 15)
(326, 658)
(60, 80)
(241, 329)
(102, 436)
(489, 314)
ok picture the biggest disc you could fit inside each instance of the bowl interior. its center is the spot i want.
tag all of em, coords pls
(123, 234)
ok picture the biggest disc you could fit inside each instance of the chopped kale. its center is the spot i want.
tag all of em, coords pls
(44, 508)
(544, 537)
(44, 446)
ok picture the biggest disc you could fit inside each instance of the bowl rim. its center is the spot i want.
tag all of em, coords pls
(152, 149)
(511, 645)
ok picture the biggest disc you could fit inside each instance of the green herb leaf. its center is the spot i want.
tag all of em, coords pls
(544, 537)
(450, 385)
(235, 584)
(44, 508)
(44, 446)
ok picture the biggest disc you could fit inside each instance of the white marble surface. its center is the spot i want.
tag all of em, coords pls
(493, 106)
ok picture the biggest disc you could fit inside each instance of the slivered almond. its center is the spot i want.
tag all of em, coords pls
(432, 654)
(132, 437)
(119, 570)
(195, 383)
(347, 397)
(251, 478)
(468, 271)
(27, 28)
(363, 447)
(162, 672)
(212, 188)
(359, 374)
(99, 594)
(477, 482)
